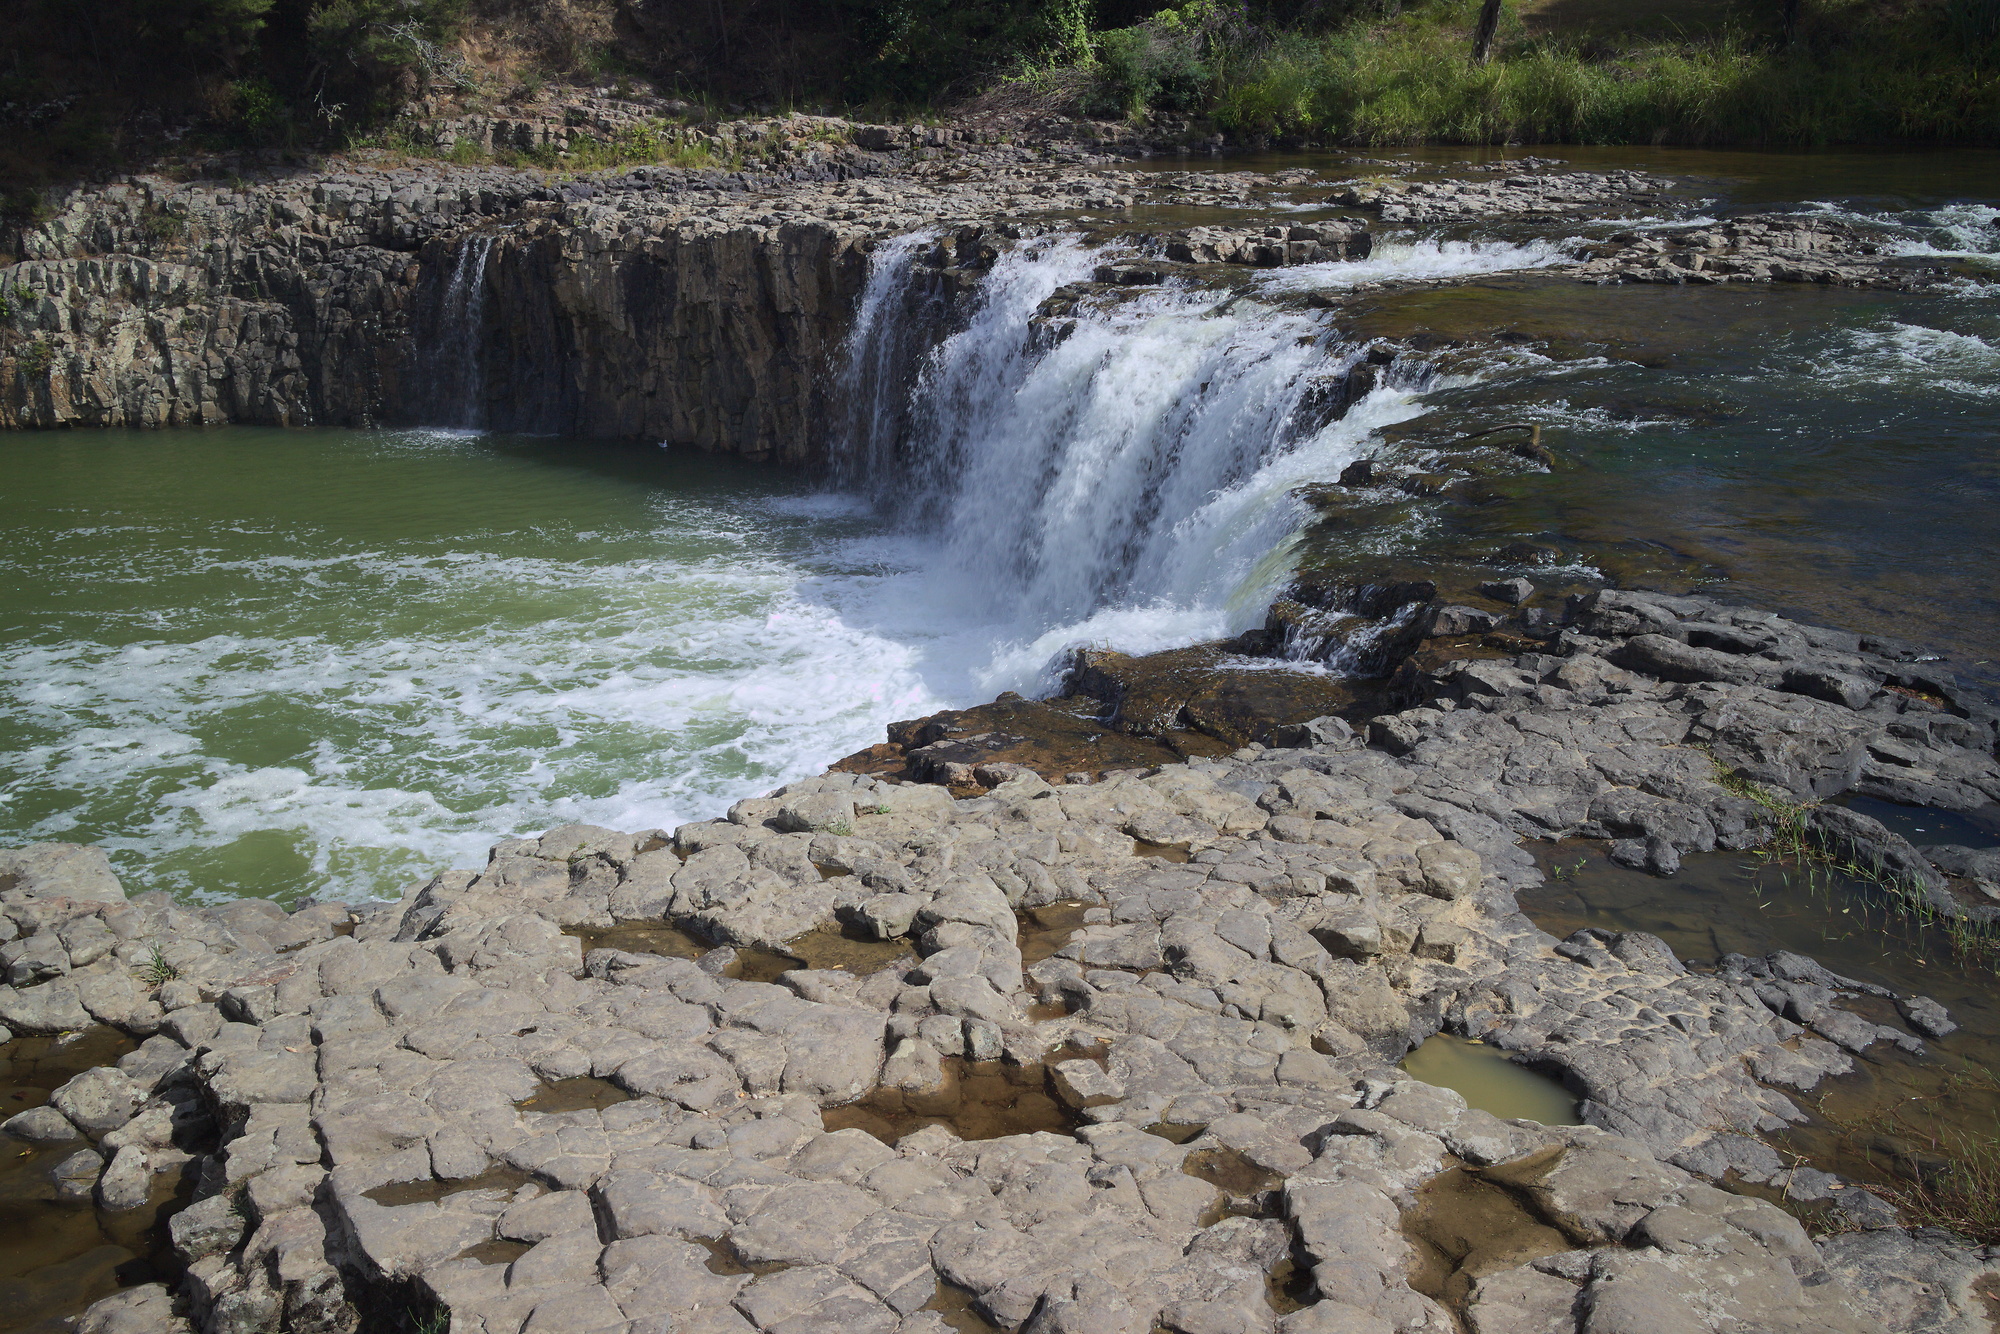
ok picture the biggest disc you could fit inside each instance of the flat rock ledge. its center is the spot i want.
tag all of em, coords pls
(1257, 940)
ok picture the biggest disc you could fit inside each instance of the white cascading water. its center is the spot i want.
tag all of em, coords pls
(455, 355)
(1128, 483)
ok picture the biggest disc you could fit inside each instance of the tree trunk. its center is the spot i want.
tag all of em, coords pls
(1489, 21)
(1791, 20)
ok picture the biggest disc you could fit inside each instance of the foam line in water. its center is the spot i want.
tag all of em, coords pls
(1411, 260)
(630, 694)
(1915, 355)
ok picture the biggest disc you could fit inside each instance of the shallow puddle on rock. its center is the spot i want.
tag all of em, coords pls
(1895, 1112)
(1176, 1134)
(584, 1093)
(1733, 902)
(1926, 825)
(846, 949)
(954, 1306)
(431, 1190)
(723, 1260)
(1248, 1191)
(1166, 852)
(31, 1068)
(1229, 1171)
(843, 949)
(499, 1251)
(641, 938)
(57, 1256)
(1463, 1228)
(1289, 1287)
(1487, 1080)
(979, 1100)
(1044, 930)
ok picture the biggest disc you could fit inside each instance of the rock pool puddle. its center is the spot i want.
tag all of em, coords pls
(977, 1100)
(843, 949)
(1926, 826)
(58, 1256)
(1898, 1116)
(1464, 1227)
(1489, 1081)
(584, 1093)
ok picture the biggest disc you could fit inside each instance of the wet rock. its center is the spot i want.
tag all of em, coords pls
(1537, 194)
(1756, 248)
(1513, 592)
(41, 1125)
(1269, 247)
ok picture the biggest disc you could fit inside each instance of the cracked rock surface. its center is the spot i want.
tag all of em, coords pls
(395, 1122)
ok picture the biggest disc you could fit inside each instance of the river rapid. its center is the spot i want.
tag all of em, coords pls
(326, 662)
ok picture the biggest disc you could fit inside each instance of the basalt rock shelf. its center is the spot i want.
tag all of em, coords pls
(1258, 939)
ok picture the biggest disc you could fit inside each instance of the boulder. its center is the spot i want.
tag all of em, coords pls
(71, 870)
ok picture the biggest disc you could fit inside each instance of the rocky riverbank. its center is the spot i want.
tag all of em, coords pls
(466, 1100)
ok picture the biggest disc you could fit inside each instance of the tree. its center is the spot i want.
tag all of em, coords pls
(1489, 23)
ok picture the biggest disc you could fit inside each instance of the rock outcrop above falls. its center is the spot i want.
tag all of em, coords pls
(405, 1115)
(1562, 194)
(1758, 248)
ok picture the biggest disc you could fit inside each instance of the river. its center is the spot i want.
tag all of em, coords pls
(281, 663)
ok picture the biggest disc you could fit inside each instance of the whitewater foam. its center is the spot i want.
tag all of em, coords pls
(1941, 360)
(1399, 259)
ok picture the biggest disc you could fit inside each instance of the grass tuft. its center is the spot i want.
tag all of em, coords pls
(157, 971)
(1790, 851)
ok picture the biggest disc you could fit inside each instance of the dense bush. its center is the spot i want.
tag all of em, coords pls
(1913, 75)
(1162, 64)
(922, 51)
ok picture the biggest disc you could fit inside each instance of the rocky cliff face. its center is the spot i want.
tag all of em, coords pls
(597, 322)
(696, 307)
(321, 301)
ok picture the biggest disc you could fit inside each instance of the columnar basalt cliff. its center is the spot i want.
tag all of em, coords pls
(317, 301)
(698, 307)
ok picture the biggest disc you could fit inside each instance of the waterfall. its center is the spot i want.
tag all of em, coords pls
(454, 357)
(1121, 469)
